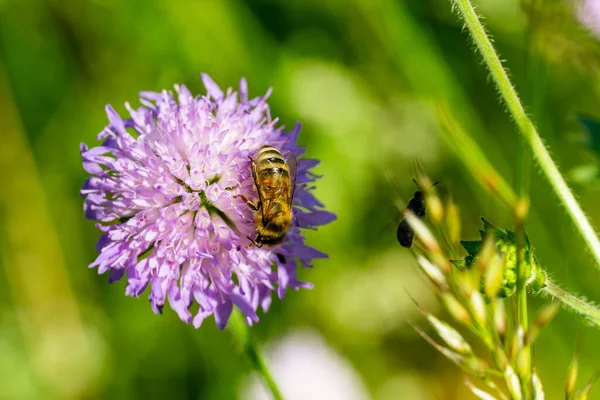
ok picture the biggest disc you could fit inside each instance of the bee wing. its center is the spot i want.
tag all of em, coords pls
(266, 206)
(292, 165)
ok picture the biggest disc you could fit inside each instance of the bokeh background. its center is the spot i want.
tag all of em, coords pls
(359, 75)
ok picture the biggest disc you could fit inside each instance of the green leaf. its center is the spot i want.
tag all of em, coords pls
(460, 264)
(471, 246)
(592, 127)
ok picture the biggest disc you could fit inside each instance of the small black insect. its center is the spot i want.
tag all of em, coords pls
(405, 233)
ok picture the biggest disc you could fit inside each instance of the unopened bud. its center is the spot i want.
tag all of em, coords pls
(458, 359)
(538, 389)
(481, 394)
(434, 206)
(513, 350)
(524, 364)
(456, 309)
(422, 232)
(428, 240)
(512, 382)
(467, 282)
(433, 272)
(494, 276)
(487, 250)
(478, 307)
(451, 336)
(453, 222)
(474, 366)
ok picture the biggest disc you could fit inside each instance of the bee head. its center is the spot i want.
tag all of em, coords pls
(418, 195)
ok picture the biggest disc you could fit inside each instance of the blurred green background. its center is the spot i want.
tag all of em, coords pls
(359, 75)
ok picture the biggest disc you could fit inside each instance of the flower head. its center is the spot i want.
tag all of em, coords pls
(163, 190)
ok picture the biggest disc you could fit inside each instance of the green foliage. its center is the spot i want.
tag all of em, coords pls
(588, 172)
(505, 242)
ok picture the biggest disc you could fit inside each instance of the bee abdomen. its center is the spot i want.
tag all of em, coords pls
(271, 238)
(271, 162)
(268, 151)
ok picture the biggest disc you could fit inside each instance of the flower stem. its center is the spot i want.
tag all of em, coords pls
(581, 306)
(525, 367)
(243, 336)
(526, 128)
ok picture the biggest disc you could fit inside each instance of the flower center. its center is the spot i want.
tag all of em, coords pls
(204, 201)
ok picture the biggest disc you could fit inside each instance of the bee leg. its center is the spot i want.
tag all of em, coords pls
(254, 177)
(252, 206)
(254, 242)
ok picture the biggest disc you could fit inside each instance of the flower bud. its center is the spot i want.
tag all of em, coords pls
(481, 394)
(486, 252)
(451, 336)
(494, 276)
(434, 206)
(456, 309)
(512, 382)
(478, 308)
(538, 389)
(433, 272)
(453, 221)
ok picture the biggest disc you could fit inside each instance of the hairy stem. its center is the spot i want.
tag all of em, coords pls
(241, 332)
(577, 304)
(527, 129)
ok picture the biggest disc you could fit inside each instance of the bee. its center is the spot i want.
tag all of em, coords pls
(405, 233)
(275, 181)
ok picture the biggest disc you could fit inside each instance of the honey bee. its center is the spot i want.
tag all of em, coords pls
(275, 181)
(405, 234)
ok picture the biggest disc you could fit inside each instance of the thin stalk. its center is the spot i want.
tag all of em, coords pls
(522, 274)
(527, 128)
(581, 306)
(525, 369)
(523, 177)
(241, 332)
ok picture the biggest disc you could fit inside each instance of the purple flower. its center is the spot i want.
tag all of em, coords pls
(162, 190)
(589, 15)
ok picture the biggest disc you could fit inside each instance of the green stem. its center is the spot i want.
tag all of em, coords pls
(241, 333)
(527, 129)
(522, 274)
(581, 306)
(525, 367)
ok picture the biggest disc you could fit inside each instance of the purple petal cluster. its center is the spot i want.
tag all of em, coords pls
(162, 188)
